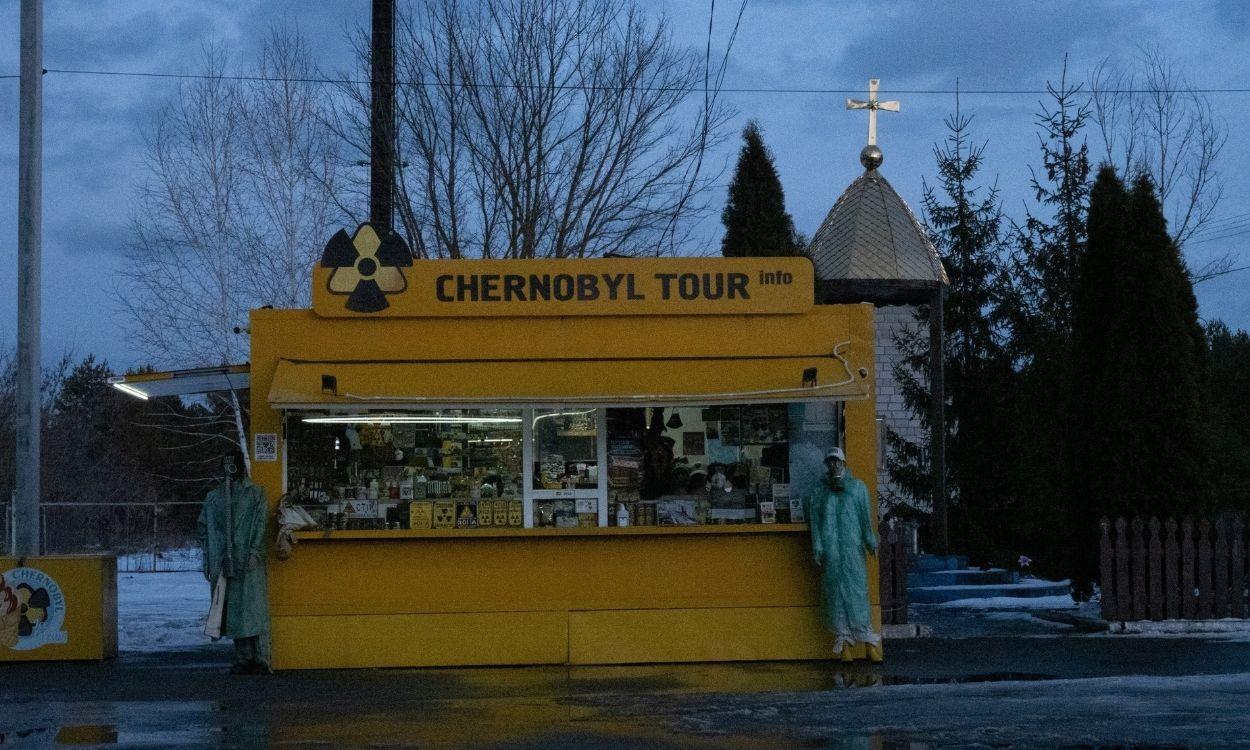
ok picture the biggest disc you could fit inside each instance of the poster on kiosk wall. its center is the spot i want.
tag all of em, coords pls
(58, 608)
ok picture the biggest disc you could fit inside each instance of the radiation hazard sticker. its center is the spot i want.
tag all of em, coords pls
(367, 267)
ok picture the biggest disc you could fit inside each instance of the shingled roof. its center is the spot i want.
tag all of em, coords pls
(870, 234)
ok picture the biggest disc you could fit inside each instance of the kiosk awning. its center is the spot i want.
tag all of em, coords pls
(184, 382)
(701, 380)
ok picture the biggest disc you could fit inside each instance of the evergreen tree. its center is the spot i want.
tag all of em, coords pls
(1049, 249)
(964, 222)
(1229, 406)
(755, 218)
(1139, 389)
(1037, 308)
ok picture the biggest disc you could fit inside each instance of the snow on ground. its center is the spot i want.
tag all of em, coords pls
(997, 617)
(1012, 602)
(161, 611)
(161, 560)
(1231, 630)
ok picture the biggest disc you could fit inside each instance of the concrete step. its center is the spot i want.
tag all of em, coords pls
(934, 563)
(965, 577)
(1027, 588)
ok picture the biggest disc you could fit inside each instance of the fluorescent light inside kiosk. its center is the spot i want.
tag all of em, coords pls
(408, 419)
(130, 390)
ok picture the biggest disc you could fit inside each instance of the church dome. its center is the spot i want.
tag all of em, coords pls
(871, 235)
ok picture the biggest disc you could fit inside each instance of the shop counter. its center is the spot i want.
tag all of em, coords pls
(548, 596)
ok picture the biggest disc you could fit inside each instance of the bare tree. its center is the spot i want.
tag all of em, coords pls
(543, 128)
(237, 204)
(1153, 120)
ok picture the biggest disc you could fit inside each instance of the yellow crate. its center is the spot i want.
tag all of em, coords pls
(485, 512)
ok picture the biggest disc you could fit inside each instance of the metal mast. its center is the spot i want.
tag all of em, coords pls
(382, 116)
(29, 262)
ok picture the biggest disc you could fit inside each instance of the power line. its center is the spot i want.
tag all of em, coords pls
(1205, 233)
(1220, 229)
(1232, 218)
(1227, 236)
(688, 89)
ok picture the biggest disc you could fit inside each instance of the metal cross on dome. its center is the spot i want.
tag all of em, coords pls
(872, 105)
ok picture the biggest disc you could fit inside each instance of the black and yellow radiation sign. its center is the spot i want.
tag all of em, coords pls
(366, 268)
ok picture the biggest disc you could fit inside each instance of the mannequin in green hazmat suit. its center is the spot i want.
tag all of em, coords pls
(232, 535)
(842, 525)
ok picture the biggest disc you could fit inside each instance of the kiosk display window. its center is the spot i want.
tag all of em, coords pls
(407, 470)
(565, 467)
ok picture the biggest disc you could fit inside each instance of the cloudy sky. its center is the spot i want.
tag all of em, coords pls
(94, 124)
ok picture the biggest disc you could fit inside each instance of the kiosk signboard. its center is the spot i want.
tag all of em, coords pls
(569, 287)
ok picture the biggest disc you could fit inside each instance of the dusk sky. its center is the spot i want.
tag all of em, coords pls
(94, 124)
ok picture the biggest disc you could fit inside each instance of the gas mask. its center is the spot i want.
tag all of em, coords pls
(837, 472)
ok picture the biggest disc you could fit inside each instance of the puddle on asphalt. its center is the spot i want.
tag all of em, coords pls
(100, 734)
(91, 734)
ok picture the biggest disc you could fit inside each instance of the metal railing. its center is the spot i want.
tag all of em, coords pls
(146, 537)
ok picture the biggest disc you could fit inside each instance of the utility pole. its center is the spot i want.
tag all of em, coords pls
(382, 116)
(29, 263)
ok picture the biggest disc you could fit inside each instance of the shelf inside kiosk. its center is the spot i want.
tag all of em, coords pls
(499, 471)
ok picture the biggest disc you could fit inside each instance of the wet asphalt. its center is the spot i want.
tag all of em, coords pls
(935, 692)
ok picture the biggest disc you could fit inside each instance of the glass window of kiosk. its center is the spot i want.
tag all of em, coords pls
(565, 467)
(565, 450)
(455, 468)
(692, 465)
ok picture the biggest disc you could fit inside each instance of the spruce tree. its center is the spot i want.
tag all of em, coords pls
(755, 218)
(1140, 370)
(964, 223)
(1037, 308)
(1229, 405)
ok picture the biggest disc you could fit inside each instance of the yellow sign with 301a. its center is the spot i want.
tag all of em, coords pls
(601, 286)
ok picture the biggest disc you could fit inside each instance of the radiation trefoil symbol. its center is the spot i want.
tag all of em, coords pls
(366, 267)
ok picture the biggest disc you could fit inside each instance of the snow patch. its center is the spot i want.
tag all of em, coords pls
(1225, 629)
(1012, 602)
(162, 560)
(162, 611)
(1023, 585)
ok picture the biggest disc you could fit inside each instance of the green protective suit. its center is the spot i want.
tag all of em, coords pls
(247, 605)
(843, 532)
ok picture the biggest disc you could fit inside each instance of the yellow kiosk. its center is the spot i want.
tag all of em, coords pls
(553, 462)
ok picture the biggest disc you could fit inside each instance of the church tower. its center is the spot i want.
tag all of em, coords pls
(871, 248)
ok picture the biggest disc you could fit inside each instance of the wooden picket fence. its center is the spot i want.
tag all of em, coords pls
(894, 561)
(1164, 571)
